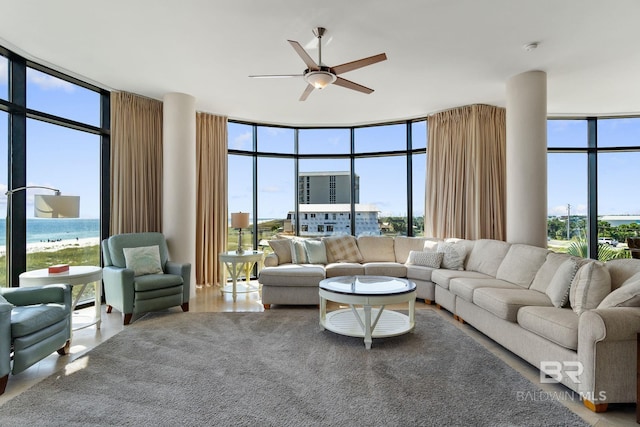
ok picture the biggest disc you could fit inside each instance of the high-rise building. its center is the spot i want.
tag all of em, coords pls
(327, 188)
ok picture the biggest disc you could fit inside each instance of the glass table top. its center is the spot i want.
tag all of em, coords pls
(367, 285)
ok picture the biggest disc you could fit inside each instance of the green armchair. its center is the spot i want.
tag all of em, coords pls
(34, 322)
(132, 290)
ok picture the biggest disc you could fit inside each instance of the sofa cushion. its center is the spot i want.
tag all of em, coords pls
(590, 286)
(425, 258)
(402, 245)
(282, 248)
(292, 275)
(454, 255)
(505, 303)
(342, 249)
(391, 269)
(547, 270)
(521, 264)
(27, 319)
(558, 289)
(627, 295)
(465, 286)
(442, 277)
(486, 256)
(621, 270)
(376, 248)
(316, 251)
(344, 269)
(558, 325)
(419, 272)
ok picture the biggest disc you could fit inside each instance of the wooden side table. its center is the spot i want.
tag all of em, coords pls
(237, 264)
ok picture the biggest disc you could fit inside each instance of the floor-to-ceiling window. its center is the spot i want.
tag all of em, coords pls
(315, 182)
(57, 129)
(592, 207)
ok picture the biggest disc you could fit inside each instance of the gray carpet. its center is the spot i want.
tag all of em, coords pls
(278, 368)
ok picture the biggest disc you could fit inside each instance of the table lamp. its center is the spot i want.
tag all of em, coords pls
(240, 220)
(44, 206)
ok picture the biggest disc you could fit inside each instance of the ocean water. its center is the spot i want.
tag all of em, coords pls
(44, 229)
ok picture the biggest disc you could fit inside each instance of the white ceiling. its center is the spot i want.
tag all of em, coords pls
(441, 53)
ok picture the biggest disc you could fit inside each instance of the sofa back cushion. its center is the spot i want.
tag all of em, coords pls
(342, 249)
(547, 270)
(621, 270)
(486, 256)
(402, 245)
(521, 264)
(282, 249)
(376, 249)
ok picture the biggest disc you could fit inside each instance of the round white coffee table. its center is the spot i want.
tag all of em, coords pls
(77, 275)
(367, 292)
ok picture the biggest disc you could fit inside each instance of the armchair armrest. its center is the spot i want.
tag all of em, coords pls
(184, 270)
(118, 287)
(58, 293)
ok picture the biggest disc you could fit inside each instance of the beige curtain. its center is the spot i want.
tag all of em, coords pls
(466, 173)
(136, 164)
(211, 196)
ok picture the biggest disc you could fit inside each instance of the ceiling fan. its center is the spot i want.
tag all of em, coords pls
(319, 76)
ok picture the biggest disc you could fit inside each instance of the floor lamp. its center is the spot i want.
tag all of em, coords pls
(45, 206)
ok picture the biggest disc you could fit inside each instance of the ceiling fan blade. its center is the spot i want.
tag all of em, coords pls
(274, 76)
(311, 64)
(351, 85)
(354, 65)
(306, 92)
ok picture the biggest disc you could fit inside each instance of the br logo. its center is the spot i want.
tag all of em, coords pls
(552, 371)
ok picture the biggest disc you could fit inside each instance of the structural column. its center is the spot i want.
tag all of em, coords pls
(179, 178)
(527, 158)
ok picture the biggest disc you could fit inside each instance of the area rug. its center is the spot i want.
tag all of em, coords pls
(279, 368)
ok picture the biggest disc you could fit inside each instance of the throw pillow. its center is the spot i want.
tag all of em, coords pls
(627, 295)
(298, 252)
(143, 260)
(343, 249)
(453, 255)
(425, 258)
(316, 252)
(282, 249)
(590, 286)
(558, 289)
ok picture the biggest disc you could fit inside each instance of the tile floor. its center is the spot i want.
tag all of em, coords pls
(209, 299)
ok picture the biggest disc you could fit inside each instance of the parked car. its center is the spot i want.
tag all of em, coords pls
(607, 241)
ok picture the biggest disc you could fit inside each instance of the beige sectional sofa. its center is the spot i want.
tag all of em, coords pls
(575, 319)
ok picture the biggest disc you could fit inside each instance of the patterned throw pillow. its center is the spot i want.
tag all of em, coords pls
(590, 286)
(143, 260)
(425, 258)
(343, 249)
(298, 252)
(454, 255)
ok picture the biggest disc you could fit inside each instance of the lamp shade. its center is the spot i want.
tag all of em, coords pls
(240, 220)
(56, 206)
(319, 79)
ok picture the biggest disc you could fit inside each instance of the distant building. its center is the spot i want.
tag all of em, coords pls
(327, 188)
(327, 219)
(616, 220)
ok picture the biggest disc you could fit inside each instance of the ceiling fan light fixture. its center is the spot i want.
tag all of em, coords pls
(319, 79)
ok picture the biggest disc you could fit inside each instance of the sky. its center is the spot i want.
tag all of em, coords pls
(69, 160)
(57, 157)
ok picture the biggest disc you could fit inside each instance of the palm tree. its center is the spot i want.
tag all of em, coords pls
(580, 248)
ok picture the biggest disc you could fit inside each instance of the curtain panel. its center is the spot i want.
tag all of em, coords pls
(466, 173)
(211, 196)
(136, 164)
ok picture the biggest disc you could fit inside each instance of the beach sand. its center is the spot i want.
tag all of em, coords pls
(56, 246)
